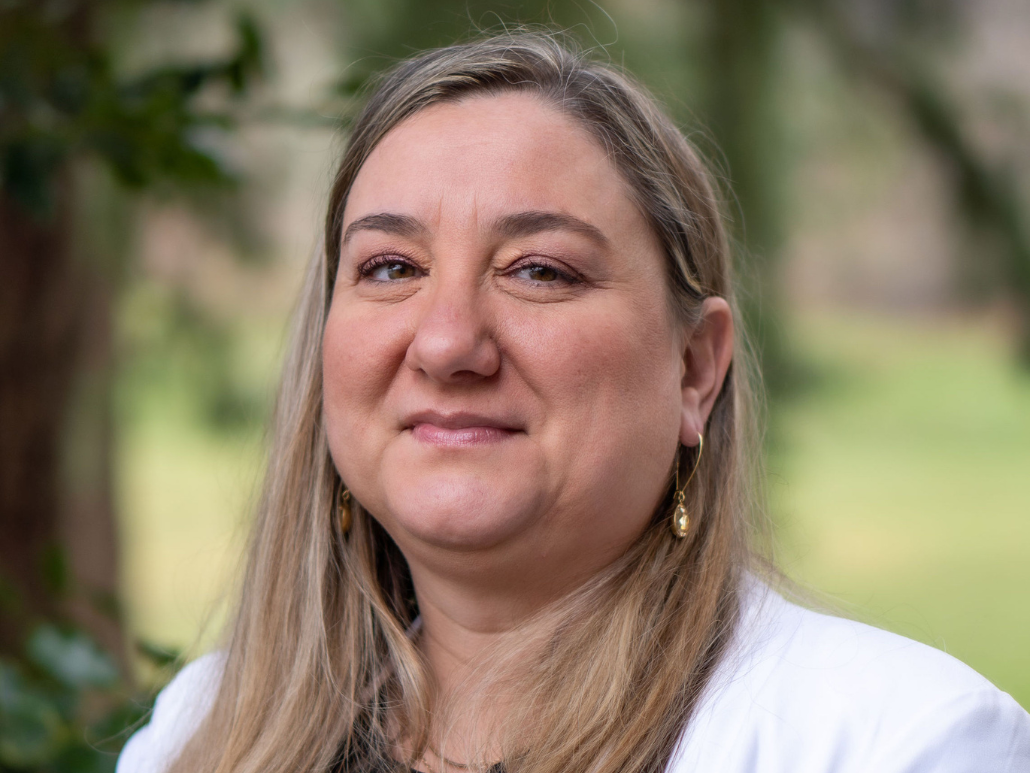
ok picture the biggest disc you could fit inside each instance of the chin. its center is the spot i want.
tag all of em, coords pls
(457, 512)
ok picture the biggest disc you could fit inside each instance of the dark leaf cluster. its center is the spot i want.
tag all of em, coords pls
(60, 98)
(63, 707)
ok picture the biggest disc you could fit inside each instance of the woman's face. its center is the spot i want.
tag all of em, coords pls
(502, 371)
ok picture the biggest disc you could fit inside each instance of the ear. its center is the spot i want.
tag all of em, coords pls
(707, 354)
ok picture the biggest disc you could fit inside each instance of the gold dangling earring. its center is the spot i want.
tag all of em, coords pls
(680, 516)
(343, 509)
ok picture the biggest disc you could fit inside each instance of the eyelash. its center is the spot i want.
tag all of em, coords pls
(565, 275)
(366, 269)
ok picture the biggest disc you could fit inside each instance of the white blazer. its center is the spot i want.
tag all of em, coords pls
(800, 692)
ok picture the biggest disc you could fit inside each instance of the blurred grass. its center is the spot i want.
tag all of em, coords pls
(185, 492)
(186, 487)
(900, 481)
(901, 484)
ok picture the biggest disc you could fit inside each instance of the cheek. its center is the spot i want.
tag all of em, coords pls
(357, 369)
(610, 378)
(611, 388)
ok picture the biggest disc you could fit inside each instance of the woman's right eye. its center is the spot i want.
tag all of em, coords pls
(388, 270)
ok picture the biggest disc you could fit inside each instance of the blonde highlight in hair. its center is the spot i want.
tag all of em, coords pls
(320, 666)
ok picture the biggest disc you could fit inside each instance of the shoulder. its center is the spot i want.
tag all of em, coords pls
(808, 693)
(178, 712)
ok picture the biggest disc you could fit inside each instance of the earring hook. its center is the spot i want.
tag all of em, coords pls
(680, 516)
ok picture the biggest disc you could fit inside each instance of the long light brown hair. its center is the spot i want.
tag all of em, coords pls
(320, 665)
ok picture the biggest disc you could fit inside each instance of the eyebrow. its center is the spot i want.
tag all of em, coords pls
(530, 223)
(398, 225)
(511, 226)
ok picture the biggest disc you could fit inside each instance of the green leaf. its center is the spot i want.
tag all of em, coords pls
(11, 601)
(71, 658)
(250, 56)
(28, 165)
(81, 757)
(162, 657)
(54, 567)
(32, 730)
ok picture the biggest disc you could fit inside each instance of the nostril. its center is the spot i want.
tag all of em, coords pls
(470, 375)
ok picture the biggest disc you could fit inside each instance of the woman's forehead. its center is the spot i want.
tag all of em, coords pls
(489, 156)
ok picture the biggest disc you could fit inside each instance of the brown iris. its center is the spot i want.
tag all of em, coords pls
(399, 271)
(543, 274)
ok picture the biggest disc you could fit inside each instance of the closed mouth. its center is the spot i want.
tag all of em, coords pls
(459, 429)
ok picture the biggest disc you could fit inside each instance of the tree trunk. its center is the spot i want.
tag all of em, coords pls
(40, 310)
(742, 83)
(86, 522)
(58, 543)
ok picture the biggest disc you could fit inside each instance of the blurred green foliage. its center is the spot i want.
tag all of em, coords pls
(897, 51)
(61, 98)
(176, 346)
(63, 706)
(71, 117)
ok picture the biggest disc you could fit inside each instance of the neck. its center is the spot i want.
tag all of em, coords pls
(465, 627)
(461, 624)
(481, 621)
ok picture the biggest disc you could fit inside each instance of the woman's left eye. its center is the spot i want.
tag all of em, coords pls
(543, 273)
(389, 270)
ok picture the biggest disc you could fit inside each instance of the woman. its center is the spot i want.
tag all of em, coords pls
(511, 505)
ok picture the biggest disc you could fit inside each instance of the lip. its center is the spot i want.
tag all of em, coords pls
(459, 429)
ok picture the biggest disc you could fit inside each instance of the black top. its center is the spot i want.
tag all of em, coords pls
(365, 759)
(383, 766)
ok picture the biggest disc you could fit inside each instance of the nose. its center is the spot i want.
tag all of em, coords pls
(454, 342)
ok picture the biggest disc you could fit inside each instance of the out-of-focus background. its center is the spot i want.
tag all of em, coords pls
(163, 173)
